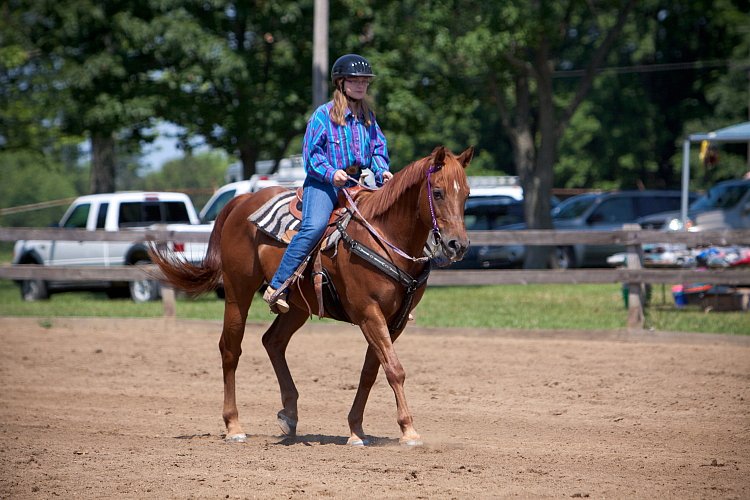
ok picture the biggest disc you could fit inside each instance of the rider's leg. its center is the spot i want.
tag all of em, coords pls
(318, 202)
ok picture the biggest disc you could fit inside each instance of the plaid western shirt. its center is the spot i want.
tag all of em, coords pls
(328, 147)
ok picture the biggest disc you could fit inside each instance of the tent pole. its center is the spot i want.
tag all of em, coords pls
(685, 181)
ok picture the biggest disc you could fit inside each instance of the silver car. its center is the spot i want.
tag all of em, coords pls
(726, 205)
(606, 212)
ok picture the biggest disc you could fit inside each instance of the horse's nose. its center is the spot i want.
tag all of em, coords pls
(458, 248)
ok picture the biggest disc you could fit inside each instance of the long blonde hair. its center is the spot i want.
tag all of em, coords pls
(340, 103)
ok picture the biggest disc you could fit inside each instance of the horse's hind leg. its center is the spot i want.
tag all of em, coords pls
(275, 340)
(230, 346)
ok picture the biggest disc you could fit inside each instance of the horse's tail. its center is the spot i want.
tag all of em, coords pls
(195, 279)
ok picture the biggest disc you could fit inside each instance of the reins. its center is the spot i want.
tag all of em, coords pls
(377, 234)
(437, 237)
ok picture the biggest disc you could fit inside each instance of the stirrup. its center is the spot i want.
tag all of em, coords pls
(276, 301)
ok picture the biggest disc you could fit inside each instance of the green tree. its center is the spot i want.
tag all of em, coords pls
(28, 178)
(88, 56)
(420, 99)
(509, 52)
(239, 73)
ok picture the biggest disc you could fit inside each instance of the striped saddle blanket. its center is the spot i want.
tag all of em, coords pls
(276, 219)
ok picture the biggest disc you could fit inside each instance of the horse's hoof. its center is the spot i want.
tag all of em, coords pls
(236, 438)
(288, 426)
(411, 442)
(358, 442)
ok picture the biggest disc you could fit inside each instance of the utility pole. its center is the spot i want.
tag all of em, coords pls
(320, 53)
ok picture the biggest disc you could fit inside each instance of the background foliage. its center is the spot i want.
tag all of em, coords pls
(237, 76)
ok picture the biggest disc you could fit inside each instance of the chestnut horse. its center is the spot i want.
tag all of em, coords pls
(424, 201)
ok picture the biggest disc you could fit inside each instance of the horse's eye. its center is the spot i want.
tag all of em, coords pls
(437, 194)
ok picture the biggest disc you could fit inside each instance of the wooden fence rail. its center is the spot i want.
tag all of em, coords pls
(634, 275)
(524, 237)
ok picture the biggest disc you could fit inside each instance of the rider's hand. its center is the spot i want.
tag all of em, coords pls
(340, 178)
(387, 175)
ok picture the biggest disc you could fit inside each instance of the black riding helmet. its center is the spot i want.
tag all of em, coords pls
(350, 65)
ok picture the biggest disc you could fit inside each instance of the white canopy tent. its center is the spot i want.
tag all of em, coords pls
(735, 133)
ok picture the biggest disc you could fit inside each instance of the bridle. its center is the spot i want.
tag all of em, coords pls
(437, 237)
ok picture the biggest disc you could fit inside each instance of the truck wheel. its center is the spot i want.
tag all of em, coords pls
(33, 290)
(144, 290)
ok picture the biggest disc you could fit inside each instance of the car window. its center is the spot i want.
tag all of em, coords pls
(573, 207)
(487, 213)
(213, 211)
(647, 205)
(78, 217)
(175, 212)
(722, 196)
(138, 213)
(614, 210)
(101, 217)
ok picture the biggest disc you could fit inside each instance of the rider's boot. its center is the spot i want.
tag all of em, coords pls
(277, 304)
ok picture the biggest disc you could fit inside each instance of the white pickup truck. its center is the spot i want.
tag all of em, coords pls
(121, 211)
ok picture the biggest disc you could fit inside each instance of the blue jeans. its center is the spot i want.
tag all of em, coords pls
(318, 201)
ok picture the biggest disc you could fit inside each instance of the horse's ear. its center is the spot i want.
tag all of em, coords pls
(465, 158)
(438, 156)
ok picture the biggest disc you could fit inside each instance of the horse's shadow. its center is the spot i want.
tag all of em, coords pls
(310, 439)
(306, 439)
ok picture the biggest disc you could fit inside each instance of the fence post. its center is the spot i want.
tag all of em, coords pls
(635, 296)
(168, 299)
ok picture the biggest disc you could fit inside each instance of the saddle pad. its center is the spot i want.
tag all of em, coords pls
(275, 219)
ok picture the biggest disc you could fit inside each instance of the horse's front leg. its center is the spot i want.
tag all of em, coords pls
(376, 332)
(356, 415)
(275, 340)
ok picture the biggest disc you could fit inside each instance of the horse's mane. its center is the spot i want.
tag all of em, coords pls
(376, 203)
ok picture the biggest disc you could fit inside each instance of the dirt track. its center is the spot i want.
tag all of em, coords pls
(132, 408)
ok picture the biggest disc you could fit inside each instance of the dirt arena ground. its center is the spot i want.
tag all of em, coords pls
(104, 408)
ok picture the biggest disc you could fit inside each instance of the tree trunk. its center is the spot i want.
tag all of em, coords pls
(248, 157)
(538, 181)
(102, 163)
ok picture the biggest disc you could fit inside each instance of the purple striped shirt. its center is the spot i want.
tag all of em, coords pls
(328, 146)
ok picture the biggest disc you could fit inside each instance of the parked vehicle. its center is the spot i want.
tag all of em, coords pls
(601, 211)
(290, 174)
(486, 213)
(607, 211)
(122, 211)
(495, 185)
(726, 205)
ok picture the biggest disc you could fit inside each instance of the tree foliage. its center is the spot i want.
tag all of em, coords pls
(238, 73)
(564, 94)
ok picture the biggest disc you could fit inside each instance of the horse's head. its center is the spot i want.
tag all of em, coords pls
(442, 205)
